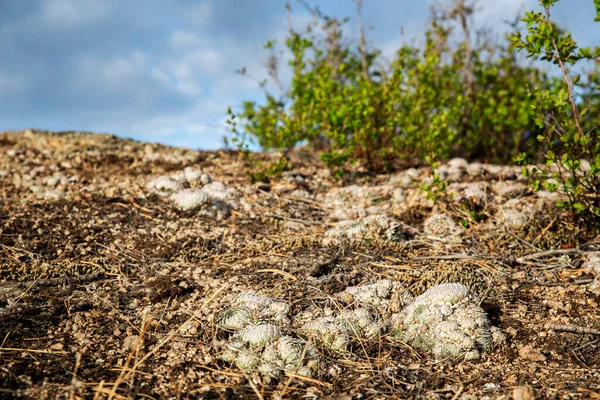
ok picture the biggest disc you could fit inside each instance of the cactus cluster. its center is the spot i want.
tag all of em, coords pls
(194, 190)
(188, 178)
(374, 228)
(337, 332)
(447, 321)
(385, 295)
(259, 344)
(356, 201)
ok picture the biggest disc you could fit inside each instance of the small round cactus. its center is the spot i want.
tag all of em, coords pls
(163, 185)
(189, 199)
(254, 300)
(260, 333)
(236, 318)
(359, 323)
(196, 176)
(443, 228)
(247, 360)
(329, 331)
(290, 349)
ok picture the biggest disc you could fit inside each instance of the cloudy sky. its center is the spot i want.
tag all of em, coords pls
(164, 70)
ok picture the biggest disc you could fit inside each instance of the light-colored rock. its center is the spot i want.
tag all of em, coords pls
(523, 393)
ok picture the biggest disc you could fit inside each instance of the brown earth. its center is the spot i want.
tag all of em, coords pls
(108, 291)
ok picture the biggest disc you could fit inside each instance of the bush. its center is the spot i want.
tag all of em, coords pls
(441, 101)
(570, 129)
(474, 99)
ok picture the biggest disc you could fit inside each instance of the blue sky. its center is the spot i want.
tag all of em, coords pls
(163, 70)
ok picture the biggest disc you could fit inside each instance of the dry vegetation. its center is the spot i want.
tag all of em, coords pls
(109, 292)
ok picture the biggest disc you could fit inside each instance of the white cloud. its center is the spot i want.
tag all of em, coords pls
(73, 13)
(188, 88)
(114, 74)
(181, 40)
(192, 70)
(208, 60)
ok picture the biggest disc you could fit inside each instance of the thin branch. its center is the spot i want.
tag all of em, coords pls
(564, 71)
(574, 329)
(361, 43)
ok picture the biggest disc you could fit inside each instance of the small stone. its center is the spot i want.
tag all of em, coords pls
(529, 353)
(523, 393)
(57, 347)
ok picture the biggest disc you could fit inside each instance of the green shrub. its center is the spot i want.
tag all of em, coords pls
(440, 101)
(570, 128)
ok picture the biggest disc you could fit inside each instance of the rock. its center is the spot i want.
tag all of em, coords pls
(529, 353)
(523, 393)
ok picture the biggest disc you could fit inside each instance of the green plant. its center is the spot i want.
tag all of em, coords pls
(444, 100)
(570, 131)
(264, 173)
(436, 189)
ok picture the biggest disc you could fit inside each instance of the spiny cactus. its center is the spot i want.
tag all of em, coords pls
(447, 321)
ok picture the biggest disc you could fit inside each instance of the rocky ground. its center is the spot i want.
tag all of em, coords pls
(134, 270)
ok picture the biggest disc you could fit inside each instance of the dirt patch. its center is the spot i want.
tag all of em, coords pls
(108, 290)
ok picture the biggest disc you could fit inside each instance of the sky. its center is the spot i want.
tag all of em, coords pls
(164, 70)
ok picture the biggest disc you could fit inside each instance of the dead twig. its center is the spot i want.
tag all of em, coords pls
(574, 329)
(554, 252)
(301, 221)
(32, 351)
(280, 272)
(451, 257)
